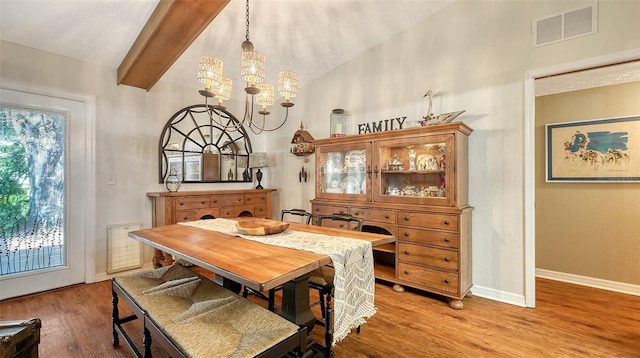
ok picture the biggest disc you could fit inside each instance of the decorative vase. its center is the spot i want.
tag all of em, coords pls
(172, 182)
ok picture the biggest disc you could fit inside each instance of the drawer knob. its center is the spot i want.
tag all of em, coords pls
(406, 272)
(446, 280)
(215, 200)
(182, 203)
(356, 213)
(406, 252)
(341, 226)
(406, 234)
(406, 218)
(386, 216)
(446, 239)
(202, 202)
(248, 199)
(185, 218)
(447, 259)
(239, 199)
(446, 222)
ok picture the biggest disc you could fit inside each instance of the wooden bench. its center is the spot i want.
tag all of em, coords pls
(191, 316)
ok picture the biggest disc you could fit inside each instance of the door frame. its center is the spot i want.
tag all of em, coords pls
(88, 102)
(529, 153)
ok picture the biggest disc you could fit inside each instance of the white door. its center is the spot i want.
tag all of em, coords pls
(50, 253)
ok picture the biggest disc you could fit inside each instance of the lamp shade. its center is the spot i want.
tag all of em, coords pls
(265, 97)
(222, 89)
(288, 84)
(253, 67)
(209, 69)
(258, 160)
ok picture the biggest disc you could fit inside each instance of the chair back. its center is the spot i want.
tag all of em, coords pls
(344, 218)
(296, 212)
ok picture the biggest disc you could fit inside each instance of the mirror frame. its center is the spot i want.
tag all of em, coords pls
(204, 141)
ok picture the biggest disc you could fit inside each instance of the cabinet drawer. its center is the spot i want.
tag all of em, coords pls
(317, 210)
(328, 209)
(236, 211)
(255, 198)
(260, 211)
(430, 237)
(192, 202)
(227, 200)
(428, 220)
(440, 258)
(192, 215)
(440, 280)
(339, 224)
(368, 214)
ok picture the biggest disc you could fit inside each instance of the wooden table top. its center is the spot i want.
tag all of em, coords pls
(250, 263)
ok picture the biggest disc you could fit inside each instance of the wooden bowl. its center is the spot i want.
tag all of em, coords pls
(260, 227)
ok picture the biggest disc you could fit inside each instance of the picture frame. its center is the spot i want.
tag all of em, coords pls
(597, 150)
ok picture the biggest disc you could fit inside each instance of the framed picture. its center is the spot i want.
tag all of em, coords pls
(599, 150)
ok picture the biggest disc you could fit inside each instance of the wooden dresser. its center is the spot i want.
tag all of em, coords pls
(411, 183)
(174, 207)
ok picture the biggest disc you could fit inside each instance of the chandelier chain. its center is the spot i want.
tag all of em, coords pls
(247, 23)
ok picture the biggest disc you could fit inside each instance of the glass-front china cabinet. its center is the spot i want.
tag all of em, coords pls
(411, 183)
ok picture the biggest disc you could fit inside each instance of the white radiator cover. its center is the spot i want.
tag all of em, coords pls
(123, 252)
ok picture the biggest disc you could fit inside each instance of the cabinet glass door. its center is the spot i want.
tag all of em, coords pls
(344, 172)
(418, 171)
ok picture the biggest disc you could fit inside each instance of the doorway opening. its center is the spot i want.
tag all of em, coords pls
(530, 153)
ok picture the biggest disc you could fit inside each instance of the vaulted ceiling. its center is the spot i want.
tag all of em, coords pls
(311, 37)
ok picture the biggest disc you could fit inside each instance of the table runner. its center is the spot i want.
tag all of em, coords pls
(354, 281)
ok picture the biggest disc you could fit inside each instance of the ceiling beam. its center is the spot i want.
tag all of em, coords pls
(170, 30)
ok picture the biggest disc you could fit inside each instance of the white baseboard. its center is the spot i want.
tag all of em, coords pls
(103, 276)
(500, 296)
(590, 282)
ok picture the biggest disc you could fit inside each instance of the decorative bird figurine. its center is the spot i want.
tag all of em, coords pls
(430, 116)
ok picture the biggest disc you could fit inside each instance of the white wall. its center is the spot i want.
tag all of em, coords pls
(474, 56)
(128, 125)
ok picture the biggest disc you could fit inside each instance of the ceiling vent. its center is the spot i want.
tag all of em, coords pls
(565, 26)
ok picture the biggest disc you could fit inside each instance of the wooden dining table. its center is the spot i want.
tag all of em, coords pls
(237, 262)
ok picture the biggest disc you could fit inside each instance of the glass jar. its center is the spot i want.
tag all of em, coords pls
(338, 123)
(173, 182)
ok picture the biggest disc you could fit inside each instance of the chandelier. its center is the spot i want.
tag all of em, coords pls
(252, 71)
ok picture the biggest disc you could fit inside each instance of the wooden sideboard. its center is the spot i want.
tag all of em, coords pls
(174, 207)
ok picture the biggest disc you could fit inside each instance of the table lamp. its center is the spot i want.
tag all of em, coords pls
(258, 160)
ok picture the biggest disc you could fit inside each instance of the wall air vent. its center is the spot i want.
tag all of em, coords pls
(565, 26)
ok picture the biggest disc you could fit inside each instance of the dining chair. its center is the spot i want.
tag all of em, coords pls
(296, 212)
(321, 279)
(271, 298)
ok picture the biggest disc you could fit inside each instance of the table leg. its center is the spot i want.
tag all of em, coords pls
(295, 303)
(228, 284)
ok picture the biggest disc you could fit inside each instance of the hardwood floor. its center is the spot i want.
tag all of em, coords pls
(569, 321)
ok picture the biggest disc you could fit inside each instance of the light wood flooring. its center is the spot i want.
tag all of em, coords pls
(569, 321)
